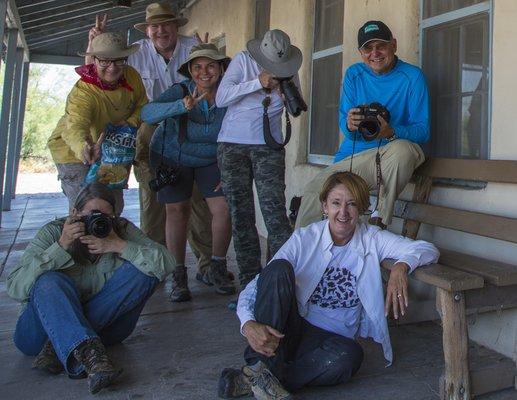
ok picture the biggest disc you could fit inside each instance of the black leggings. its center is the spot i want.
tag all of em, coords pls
(307, 355)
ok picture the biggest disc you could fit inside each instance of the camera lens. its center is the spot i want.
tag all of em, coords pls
(98, 224)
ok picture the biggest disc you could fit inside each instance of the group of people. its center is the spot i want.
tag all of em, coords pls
(200, 146)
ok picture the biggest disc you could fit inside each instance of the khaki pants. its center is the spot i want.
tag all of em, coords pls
(152, 213)
(399, 159)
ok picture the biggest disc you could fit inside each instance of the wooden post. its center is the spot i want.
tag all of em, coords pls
(456, 379)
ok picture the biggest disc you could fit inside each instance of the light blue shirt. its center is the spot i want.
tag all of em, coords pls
(403, 91)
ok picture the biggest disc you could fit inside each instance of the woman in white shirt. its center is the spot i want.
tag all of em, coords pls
(322, 290)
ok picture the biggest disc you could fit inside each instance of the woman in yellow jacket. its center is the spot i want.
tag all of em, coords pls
(108, 92)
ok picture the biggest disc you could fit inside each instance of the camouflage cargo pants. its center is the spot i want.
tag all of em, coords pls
(240, 165)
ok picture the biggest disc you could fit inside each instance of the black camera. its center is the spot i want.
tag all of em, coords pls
(97, 223)
(293, 99)
(370, 125)
(165, 175)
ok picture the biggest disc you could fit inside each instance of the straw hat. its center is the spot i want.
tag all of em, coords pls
(110, 45)
(157, 13)
(203, 50)
(276, 54)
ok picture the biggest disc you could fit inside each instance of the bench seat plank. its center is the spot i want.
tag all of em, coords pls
(494, 272)
(447, 278)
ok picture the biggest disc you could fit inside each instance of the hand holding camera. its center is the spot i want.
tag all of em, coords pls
(371, 120)
(72, 229)
(268, 80)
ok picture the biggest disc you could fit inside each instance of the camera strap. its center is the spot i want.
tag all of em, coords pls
(268, 138)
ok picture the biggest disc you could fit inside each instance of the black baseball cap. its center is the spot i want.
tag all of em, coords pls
(373, 30)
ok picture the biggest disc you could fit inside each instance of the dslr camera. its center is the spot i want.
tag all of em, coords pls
(164, 176)
(294, 102)
(370, 125)
(97, 223)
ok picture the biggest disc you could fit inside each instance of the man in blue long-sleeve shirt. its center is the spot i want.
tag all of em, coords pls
(401, 88)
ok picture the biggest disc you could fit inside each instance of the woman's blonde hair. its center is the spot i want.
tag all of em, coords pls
(357, 186)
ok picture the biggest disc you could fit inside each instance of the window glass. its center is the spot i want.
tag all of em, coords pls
(327, 69)
(262, 11)
(437, 7)
(328, 24)
(456, 63)
(325, 103)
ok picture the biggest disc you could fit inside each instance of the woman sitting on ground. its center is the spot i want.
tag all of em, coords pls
(108, 92)
(81, 291)
(190, 156)
(322, 290)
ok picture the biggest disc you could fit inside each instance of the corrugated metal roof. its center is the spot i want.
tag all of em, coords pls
(57, 29)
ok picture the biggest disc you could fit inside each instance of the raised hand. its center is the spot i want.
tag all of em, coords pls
(190, 101)
(196, 35)
(100, 26)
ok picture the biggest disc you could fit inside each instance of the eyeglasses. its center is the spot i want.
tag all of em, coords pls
(106, 63)
(369, 47)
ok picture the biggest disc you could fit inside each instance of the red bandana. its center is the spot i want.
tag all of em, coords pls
(88, 74)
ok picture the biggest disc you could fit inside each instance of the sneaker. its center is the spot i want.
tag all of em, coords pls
(47, 360)
(180, 291)
(265, 385)
(233, 383)
(101, 372)
(217, 275)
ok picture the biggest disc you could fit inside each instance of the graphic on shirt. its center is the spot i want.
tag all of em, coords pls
(337, 289)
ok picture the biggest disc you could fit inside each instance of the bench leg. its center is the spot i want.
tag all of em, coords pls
(456, 381)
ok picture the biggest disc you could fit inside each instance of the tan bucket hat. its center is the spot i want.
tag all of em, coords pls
(207, 50)
(110, 46)
(157, 13)
(276, 54)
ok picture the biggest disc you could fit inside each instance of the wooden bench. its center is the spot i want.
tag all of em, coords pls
(464, 284)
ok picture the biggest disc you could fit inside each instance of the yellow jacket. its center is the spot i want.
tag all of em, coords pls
(89, 109)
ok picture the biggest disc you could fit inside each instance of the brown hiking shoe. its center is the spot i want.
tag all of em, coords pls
(47, 360)
(101, 372)
(180, 291)
(233, 383)
(218, 276)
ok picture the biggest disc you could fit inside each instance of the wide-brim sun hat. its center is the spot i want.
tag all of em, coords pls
(207, 50)
(110, 46)
(158, 13)
(276, 54)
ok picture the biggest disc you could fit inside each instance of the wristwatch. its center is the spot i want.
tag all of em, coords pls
(392, 137)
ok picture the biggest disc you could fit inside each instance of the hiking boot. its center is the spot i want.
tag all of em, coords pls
(47, 360)
(203, 278)
(265, 385)
(218, 276)
(180, 291)
(233, 383)
(101, 372)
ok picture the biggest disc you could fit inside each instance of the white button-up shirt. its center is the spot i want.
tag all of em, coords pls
(156, 74)
(309, 252)
(240, 90)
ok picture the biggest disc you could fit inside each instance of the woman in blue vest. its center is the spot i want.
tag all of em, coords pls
(183, 151)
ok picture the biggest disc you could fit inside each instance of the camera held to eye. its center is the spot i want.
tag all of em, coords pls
(370, 125)
(97, 223)
(165, 176)
(293, 99)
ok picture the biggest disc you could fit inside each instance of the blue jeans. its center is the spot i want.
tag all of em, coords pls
(54, 311)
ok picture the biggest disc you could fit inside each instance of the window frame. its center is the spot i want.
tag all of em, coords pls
(451, 16)
(320, 159)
